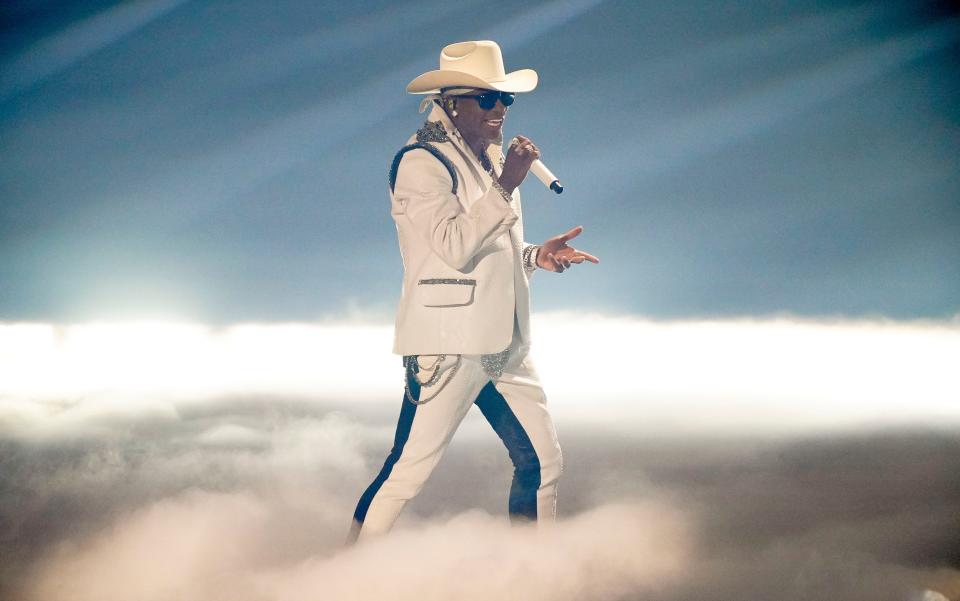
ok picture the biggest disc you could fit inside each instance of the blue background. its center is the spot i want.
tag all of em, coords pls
(227, 161)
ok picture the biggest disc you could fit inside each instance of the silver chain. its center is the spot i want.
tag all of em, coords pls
(434, 378)
(494, 178)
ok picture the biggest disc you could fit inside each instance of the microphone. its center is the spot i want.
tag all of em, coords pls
(543, 174)
(546, 176)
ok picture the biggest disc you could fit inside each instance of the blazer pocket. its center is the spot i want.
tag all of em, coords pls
(446, 292)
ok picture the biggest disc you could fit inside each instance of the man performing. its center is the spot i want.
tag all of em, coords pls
(463, 320)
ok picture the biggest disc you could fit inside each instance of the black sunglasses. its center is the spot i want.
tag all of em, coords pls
(488, 100)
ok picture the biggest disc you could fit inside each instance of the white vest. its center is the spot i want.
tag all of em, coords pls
(463, 280)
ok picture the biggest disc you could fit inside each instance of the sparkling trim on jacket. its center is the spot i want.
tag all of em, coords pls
(432, 131)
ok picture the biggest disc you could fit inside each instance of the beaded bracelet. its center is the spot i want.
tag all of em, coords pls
(530, 255)
(503, 192)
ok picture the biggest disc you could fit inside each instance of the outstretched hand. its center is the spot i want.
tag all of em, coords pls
(555, 255)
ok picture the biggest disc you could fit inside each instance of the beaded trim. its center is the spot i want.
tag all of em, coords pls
(530, 253)
(448, 281)
(494, 363)
(506, 195)
(484, 161)
(432, 131)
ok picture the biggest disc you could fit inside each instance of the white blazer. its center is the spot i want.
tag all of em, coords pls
(463, 279)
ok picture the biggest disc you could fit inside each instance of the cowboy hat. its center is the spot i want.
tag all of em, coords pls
(473, 65)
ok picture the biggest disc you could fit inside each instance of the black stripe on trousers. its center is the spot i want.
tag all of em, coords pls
(526, 464)
(404, 423)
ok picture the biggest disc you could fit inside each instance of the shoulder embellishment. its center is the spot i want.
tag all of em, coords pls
(432, 131)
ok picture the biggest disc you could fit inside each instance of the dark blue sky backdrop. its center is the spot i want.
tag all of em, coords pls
(227, 161)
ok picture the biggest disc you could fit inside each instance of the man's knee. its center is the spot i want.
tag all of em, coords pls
(541, 468)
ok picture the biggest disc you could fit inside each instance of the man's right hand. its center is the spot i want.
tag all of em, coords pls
(517, 163)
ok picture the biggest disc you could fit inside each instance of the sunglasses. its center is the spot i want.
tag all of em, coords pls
(488, 100)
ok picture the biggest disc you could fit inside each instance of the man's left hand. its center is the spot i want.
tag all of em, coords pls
(555, 255)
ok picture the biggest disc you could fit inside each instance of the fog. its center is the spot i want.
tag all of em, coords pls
(252, 501)
(747, 375)
(154, 485)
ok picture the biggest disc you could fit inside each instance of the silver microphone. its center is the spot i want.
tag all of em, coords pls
(543, 174)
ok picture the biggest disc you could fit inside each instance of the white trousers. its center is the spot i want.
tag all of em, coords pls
(515, 406)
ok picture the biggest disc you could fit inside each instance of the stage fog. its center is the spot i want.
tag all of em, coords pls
(158, 461)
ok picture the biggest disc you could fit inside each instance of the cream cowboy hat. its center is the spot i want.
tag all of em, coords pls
(473, 65)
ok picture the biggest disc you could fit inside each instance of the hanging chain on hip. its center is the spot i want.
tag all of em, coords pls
(409, 372)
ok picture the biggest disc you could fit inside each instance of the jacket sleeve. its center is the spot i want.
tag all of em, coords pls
(422, 198)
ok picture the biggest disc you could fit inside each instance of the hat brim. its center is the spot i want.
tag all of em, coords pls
(431, 82)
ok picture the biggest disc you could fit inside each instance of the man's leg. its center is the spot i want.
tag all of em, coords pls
(423, 432)
(516, 408)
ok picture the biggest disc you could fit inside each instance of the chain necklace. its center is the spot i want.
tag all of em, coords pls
(487, 165)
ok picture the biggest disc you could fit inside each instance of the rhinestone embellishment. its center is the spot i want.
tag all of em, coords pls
(493, 363)
(530, 253)
(432, 131)
(462, 281)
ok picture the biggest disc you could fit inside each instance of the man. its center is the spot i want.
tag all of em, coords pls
(463, 319)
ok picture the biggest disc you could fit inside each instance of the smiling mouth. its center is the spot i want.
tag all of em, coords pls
(494, 122)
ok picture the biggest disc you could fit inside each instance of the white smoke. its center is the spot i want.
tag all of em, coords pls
(177, 461)
(774, 375)
(204, 546)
